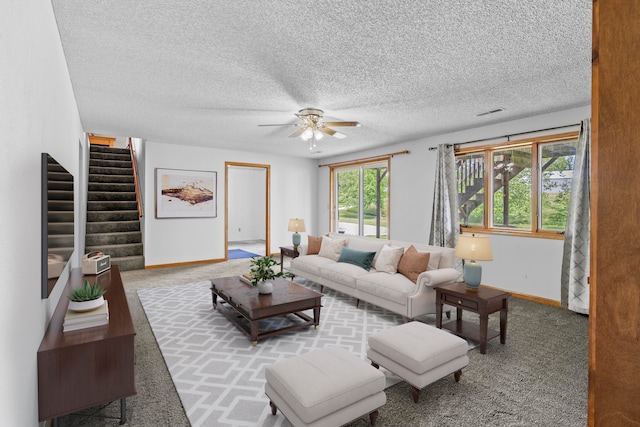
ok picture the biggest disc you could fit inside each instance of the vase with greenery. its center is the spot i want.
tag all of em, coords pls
(86, 297)
(262, 273)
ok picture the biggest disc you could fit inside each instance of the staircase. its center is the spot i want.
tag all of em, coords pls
(113, 222)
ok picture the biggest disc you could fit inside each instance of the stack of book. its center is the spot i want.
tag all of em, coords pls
(74, 320)
(246, 278)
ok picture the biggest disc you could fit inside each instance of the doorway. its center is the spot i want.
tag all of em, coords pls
(247, 195)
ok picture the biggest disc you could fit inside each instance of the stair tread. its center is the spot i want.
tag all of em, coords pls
(114, 232)
(111, 191)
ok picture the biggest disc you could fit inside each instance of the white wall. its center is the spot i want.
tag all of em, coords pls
(176, 240)
(38, 114)
(525, 265)
(247, 203)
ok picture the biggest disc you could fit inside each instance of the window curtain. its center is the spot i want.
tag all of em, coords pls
(445, 224)
(575, 260)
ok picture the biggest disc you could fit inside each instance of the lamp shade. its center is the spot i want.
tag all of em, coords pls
(296, 225)
(472, 247)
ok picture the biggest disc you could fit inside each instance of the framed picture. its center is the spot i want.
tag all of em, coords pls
(186, 194)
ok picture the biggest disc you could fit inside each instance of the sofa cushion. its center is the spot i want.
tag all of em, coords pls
(331, 248)
(311, 263)
(413, 263)
(342, 273)
(391, 287)
(388, 259)
(360, 258)
(313, 245)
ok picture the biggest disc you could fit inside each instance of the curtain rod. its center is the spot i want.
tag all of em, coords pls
(507, 136)
(380, 157)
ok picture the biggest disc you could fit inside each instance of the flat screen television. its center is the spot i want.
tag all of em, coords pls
(57, 221)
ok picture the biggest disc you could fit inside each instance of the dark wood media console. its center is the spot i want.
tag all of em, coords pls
(92, 366)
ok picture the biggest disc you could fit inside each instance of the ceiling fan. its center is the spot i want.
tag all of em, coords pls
(311, 128)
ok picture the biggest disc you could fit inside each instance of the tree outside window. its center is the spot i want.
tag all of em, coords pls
(361, 199)
(529, 184)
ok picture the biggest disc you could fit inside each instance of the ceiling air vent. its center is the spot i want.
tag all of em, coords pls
(497, 110)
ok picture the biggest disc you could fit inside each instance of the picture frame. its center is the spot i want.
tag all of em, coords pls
(186, 193)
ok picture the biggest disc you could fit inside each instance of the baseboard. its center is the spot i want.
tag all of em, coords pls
(541, 300)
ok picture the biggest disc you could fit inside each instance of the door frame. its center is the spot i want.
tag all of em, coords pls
(267, 190)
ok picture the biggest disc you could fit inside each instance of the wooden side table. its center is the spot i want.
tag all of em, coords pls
(483, 301)
(289, 251)
(89, 367)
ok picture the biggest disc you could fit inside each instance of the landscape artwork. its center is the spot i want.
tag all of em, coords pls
(185, 194)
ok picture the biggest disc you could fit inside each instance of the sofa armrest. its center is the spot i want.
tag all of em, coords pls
(438, 277)
(302, 250)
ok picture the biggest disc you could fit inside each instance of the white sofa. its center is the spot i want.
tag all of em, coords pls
(395, 292)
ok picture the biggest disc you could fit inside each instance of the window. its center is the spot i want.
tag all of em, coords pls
(521, 187)
(360, 199)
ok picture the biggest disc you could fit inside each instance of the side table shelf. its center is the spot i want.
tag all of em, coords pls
(88, 367)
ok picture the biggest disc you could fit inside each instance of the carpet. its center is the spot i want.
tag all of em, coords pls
(239, 254)
(539, 377)
(219, 375)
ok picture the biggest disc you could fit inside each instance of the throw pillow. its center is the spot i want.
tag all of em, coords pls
(388, 259)
(413, 263)
(434, 260)
(360, 258)
(313, 246)
(331, 248)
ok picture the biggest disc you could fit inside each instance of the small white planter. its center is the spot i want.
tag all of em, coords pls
(265, 287)
(86, 305)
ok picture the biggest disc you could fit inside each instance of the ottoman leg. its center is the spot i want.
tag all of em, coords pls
(373, 417)
(274, 408)
(457, 375)
(415, 393)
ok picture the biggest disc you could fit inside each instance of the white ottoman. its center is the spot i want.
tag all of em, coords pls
(327, 387)
(418, 353)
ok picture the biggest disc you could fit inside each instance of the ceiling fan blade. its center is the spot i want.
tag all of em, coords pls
(356, 124)
(339, 135)
(297, 132)
(326, 130)
(331, 132)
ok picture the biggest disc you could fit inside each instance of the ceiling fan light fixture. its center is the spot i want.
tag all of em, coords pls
(313, 129)
(307, 134)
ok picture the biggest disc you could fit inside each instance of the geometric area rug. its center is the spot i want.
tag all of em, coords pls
(219, 375)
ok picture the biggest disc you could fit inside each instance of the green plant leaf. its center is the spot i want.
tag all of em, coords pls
(87, 292)
(262, 270)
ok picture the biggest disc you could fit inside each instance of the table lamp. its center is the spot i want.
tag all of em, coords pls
(473, 248)
(295, 225)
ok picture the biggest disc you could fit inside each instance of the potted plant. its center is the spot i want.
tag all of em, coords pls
(262, 273)
(86, 297)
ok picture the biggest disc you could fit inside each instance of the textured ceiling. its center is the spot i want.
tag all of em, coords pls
(207, 72)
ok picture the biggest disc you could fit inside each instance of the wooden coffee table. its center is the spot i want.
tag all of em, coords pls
(244, 306)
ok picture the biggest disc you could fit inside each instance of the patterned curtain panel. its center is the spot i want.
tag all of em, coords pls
(445, 224)
(575, 261)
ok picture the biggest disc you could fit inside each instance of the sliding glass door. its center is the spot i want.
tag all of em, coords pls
(360, 199)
